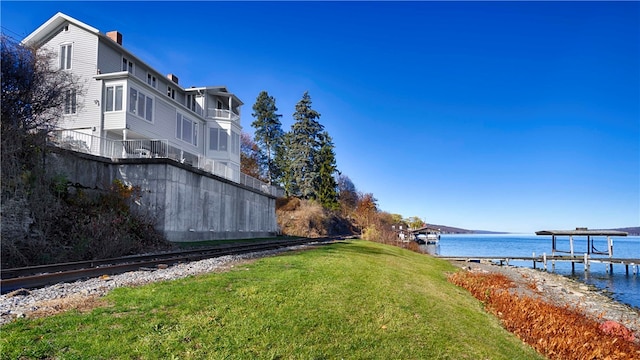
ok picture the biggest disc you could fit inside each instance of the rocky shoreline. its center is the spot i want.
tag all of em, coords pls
(562, 291)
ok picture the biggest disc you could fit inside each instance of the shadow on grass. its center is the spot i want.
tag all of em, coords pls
(350, 247)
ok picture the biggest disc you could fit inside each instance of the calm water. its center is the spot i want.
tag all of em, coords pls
(624, 288)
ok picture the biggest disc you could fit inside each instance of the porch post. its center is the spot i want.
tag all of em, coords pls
(124, 145)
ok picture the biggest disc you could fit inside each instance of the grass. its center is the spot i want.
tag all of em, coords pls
(348, 300)
(209, 243)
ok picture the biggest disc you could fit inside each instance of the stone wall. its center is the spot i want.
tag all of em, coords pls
(188, 204)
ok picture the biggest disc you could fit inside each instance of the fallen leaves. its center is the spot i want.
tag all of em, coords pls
(556, 332)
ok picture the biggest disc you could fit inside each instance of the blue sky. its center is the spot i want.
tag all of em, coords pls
(510, 116)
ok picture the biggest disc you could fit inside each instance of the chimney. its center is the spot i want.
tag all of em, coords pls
(172, 78)
(115, 36)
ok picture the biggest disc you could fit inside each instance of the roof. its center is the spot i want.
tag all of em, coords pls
(426, 229)
(40, 34)
(582, 232)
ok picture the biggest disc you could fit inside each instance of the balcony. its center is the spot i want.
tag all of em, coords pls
(221, 114)
(150, 148)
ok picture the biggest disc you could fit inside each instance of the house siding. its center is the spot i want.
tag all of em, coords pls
(97, 61)
(83, 60)
(109, 60)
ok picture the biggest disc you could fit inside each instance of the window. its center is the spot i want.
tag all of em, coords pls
(140, 104)
(186, 129)
(218, 139)
(191, 102)
(151, 80)
(171, 92)
(235, 143)
(127, 65)
(65, 56)
(113, 101)
(70, 102)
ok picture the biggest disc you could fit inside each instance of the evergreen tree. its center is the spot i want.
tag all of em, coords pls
(304, 148)
(283, 160)
(268, 132)
(327, 186)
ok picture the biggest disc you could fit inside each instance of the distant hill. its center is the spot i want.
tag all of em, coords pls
(633, 231)
(454, 230)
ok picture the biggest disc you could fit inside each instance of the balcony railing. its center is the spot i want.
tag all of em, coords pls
(223, 114)
(149, 148)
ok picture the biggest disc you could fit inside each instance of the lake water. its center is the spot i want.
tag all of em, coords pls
(624, 288)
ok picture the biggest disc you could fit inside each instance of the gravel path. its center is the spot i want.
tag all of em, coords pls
(559, 290)
(84, 294)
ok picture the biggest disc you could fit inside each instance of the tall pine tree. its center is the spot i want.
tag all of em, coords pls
(326, 192)
(304, 148)
(268, 132)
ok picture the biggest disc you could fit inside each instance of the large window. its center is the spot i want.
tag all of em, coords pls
(235, 143)
(65, 56)
(140, 104)
(113, 101)
(191, 102)
(70, 102)
(186, 129)
(218, 139)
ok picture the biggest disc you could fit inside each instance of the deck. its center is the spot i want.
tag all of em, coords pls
(545, 260)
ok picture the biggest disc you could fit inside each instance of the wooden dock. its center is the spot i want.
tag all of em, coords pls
(547, 261)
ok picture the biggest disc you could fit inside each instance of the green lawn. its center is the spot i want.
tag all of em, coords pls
(348, 300)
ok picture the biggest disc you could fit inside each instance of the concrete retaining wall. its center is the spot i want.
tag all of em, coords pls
(187, 203)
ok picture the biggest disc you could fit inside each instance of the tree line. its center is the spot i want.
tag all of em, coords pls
(303, 162)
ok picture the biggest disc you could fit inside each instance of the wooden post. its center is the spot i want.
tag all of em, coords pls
(610, 245)
(586, 261)
(544, 260)
(571, 244)
(534, 260)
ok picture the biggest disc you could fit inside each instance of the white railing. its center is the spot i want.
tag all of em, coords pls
(223, 114)
(254, 183)
(144, 148)
(150, 148)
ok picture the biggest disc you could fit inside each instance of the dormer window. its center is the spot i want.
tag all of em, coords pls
(127, 65)
(65, 56)
(151, 80)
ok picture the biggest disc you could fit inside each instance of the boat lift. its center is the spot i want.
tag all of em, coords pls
(590, 234)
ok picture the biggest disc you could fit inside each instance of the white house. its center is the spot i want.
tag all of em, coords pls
(129, 109)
